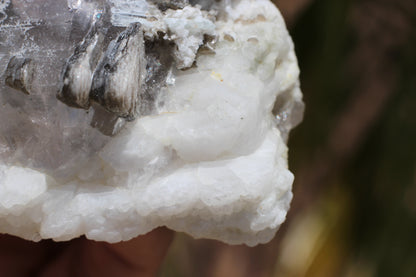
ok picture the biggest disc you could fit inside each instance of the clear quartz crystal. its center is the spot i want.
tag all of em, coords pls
(119, 116)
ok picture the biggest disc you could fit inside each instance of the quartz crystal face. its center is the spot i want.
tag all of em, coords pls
(119, 116)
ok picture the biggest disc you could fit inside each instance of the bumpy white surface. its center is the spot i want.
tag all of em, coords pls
(212, 163)
(186, 27)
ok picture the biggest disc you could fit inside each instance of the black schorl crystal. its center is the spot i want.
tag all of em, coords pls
(107, 72)
(117, 80)
(19, 74)
(170, 4)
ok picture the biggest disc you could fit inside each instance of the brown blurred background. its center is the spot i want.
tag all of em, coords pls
(354, 155)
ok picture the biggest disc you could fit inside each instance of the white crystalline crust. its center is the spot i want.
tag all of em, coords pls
(212, 163)
(186, 27)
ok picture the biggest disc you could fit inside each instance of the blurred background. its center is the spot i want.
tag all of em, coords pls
(354, 155)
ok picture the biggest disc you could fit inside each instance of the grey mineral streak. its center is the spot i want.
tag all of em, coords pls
(119, 116)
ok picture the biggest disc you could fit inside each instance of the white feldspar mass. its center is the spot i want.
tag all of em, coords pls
(120, 116)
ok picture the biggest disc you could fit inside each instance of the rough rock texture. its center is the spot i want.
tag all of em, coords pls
(203, 147)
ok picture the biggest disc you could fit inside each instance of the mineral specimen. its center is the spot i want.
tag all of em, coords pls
(137, 114)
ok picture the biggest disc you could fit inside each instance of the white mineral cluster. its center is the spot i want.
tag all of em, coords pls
(209, 160)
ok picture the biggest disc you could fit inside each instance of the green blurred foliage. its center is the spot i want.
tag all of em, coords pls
(380, 177)
(323, 41)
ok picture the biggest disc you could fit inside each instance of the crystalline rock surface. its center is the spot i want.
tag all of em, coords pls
(119, 116)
